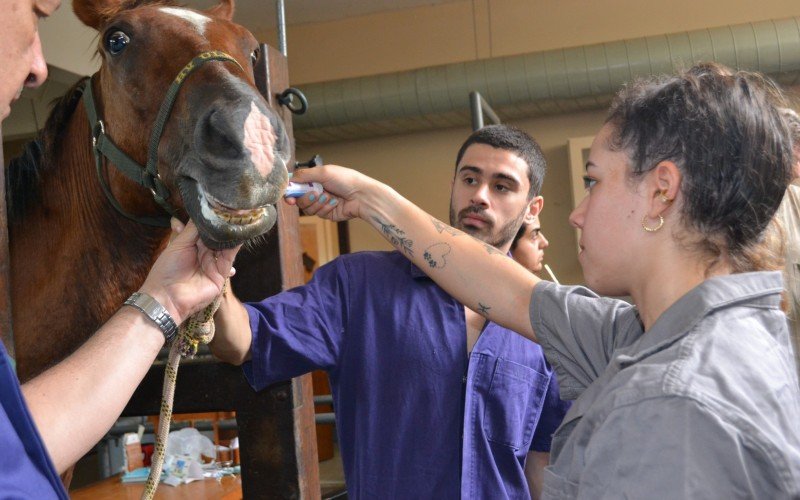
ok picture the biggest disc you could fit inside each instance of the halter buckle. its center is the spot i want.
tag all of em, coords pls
(99, 129)
(155, 180)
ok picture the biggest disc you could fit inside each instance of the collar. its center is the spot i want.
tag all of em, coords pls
(756, 288)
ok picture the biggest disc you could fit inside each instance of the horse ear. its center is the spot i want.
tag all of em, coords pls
(95, 13)
(224, 10)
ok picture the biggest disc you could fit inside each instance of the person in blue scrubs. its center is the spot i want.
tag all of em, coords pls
(54, 419)
(431, 400)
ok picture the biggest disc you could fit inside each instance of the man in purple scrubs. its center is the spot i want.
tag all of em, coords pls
(431, 400)
(55, 418)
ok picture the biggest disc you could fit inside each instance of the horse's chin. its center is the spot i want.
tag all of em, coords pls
(219, 227)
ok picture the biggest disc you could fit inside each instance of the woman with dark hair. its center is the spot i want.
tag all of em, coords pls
(528, 246)
(690, 392)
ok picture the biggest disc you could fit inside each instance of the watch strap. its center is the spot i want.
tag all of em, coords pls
(156, 312)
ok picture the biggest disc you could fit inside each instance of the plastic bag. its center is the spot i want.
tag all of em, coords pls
(190, 443)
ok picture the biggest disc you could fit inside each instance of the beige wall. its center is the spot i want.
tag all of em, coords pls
(420, 166)
(463, 31)
(450, 32)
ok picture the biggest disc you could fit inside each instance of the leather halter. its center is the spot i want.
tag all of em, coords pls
(104, 148)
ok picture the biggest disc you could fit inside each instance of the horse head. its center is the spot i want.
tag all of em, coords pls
(215, 140)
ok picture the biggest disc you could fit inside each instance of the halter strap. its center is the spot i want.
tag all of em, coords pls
(147, 176)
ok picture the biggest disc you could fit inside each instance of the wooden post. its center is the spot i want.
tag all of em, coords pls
(296, 445)
(277, 437)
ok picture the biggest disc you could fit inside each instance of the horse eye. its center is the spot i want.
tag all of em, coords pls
(254, 56)
(116, 42)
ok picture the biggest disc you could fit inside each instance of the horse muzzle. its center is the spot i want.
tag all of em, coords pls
(221, 226)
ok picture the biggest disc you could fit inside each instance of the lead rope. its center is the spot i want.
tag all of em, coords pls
(199, 328)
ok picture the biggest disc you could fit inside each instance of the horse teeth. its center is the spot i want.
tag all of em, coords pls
(244, 219)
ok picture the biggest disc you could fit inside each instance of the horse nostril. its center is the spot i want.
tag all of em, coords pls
(218, 138)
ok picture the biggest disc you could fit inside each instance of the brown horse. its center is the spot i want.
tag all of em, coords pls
(220, 159)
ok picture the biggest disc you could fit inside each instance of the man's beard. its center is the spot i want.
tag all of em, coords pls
(505, 235)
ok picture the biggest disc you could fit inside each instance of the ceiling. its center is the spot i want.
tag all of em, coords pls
(259, 13)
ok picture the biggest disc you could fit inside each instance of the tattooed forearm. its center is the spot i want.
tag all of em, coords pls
(483, 309)
(442, 227)
(492, 250)
(396, 237)
(489, 248)
(436, 255)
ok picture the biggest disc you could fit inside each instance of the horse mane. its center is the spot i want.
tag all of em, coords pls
(24, 173)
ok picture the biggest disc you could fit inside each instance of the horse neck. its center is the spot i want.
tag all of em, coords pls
(74, 259)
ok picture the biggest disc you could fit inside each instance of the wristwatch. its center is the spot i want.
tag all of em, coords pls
(156, 312)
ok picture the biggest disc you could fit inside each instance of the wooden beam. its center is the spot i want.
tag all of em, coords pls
(277, 436)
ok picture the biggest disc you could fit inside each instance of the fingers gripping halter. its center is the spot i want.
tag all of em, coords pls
(147, 176)
(199, 328)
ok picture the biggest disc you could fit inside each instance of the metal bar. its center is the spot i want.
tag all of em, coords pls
(326, 399)
(279, 6)
(478, 106)
(200, 425)
(120, 429)
(475, 110)
(325, 418)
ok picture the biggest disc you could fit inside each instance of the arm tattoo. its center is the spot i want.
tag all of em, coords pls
(483, 309)
(492, 250)
(489, 248)
(442, 227)
(436, 255)
(396, 237)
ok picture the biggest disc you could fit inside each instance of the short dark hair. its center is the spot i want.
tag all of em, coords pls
(519, 235)
(517, 141)
(723, 129)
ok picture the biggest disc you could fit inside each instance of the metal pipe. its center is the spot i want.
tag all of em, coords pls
(478, 106)
(281, 26)
(475, 110)
(323, 400)
(122, 428)
(325, 418)
(539, 83)
(202, 425)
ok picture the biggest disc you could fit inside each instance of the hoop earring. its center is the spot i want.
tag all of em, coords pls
(653, 229)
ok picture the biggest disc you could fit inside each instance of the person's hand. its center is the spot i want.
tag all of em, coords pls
(187, 275)
(345, 192)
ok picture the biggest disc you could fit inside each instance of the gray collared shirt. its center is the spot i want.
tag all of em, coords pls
(789, 215)
(704, 405)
